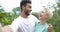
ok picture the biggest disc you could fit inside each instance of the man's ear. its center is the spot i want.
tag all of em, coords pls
(23, 7)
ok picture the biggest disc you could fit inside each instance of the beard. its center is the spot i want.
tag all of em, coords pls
(26, 12)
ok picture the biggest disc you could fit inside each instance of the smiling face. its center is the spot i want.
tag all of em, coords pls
(27, 9)
(43, 16)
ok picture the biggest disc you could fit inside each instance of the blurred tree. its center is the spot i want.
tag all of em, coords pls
(1, 9)
(6, 18)
(55, 20)
(35, 14)
(16, 11)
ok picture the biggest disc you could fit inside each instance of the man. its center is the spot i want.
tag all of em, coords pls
(25, 22)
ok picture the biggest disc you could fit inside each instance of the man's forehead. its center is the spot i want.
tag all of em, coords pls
(29, 4)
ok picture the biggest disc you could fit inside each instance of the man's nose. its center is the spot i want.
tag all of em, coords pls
(30, 9)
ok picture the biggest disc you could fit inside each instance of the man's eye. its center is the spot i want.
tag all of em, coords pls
(29, 6)
(40, 15)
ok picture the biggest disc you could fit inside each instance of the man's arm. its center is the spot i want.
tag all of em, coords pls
(0, 28)
(5, 29)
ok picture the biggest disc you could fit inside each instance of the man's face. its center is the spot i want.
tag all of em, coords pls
(27, 9)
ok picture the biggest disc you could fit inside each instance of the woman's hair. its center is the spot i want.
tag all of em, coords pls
(46, 10)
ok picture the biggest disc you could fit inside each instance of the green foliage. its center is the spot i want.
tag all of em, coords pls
(17, 9)
(1, 9)
(35, 14)
(7, 18)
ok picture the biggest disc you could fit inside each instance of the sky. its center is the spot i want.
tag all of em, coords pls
(8, 5)
(37, 5)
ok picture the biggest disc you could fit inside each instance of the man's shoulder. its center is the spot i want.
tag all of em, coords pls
(32, 16)
(17, 19)
(35, 18)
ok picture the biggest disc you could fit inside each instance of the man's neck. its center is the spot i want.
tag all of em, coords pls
(23, 15)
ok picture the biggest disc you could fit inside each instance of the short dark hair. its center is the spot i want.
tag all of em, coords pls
(24, 2)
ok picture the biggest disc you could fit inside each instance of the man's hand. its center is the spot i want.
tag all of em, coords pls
(6, 29)
(50, 28)
(0, 29)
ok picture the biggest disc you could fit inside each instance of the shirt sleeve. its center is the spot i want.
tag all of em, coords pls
(36, 19)
(14, 26)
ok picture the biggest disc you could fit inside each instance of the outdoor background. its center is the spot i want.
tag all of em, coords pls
(10, 10)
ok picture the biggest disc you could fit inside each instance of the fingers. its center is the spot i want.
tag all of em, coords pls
(50, 28)
(50, 25)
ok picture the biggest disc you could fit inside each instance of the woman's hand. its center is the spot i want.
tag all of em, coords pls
(50, 28)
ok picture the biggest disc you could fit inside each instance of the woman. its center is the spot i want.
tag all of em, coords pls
(41, 25)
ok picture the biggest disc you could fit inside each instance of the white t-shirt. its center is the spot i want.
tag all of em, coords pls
(24, 24)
